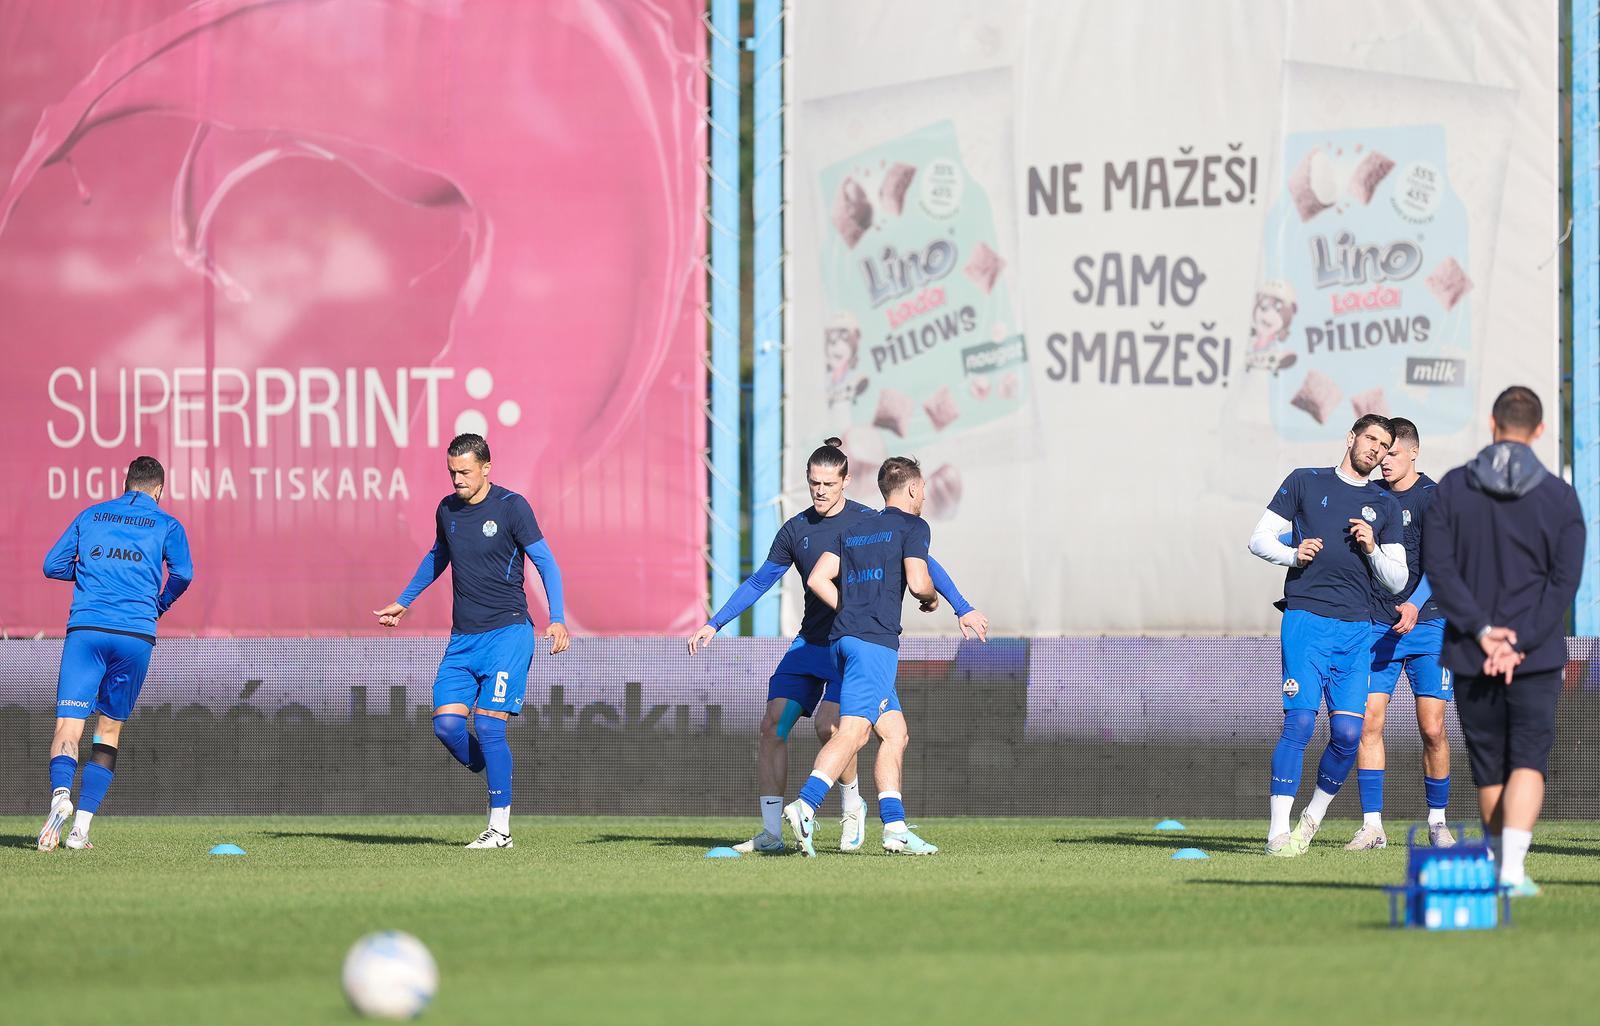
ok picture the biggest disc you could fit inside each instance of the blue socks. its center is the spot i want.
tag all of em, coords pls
(1290, 755)
(96, 782)
(62, 769)
(815, 791)
(1438, 791)
(891, 809)
(496, 760)
(1371, 784)
(1344, 741)
(452, 730)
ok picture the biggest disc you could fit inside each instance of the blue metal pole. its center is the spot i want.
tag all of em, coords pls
(766, 442)
(724, 286)
(1586, 300)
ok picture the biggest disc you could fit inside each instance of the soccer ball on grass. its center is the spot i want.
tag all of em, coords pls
(390, 975)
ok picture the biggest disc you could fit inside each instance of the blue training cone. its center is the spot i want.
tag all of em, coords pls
(1190, 853)
(226, 849)
(722, 853)
(1169, 824)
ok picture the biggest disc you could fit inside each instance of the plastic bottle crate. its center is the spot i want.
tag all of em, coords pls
(1449, 888)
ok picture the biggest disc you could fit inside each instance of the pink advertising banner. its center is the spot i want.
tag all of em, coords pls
(290, 248)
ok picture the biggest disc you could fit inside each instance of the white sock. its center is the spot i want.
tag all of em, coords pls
(500, 819)
(1281, 804)
(80, 824)
(1435, 817)
(1317, 807)
(1516, 844)
(772, 814)
(850, 794)
(1372, 819)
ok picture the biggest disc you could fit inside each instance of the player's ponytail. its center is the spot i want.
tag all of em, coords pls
(830, 455)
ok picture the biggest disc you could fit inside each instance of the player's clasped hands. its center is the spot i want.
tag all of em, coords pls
(1500, 657)
(1361, 531)
(1307, 551)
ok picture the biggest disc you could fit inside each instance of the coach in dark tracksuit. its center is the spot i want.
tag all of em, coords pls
(1503, 549)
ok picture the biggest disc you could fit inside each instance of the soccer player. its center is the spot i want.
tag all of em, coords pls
(864, 576)
(1406, 635)
(806, 682)
(1347, 533)
(114, 553)
(484, 531)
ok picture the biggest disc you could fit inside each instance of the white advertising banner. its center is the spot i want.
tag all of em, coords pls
(1111, 268)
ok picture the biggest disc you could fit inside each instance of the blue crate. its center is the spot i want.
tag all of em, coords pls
(1449, 888)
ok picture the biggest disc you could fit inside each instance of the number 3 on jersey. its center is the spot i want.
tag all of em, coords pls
(500, 680)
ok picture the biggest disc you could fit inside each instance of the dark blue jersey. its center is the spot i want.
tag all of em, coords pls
(485, 543)
(1339, 582)
(872, 582)
(800, 542)
(115, 552)
(1414, 502)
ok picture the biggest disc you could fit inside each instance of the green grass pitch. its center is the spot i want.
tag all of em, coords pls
(613, 920)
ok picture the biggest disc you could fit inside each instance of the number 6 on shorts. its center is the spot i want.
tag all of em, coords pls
(500, 680)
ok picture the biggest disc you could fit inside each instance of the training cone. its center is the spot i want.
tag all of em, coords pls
(722, 853)
(227, 849)
(1190, 853)
(1169, 824)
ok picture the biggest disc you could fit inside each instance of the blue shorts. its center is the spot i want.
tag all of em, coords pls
(101, 672)
(807, 674)
(1417, 651)
(866, 678)
(1324, 658)
(486, 671)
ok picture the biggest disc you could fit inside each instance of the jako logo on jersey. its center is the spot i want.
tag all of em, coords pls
(1291, 687)
(870, 574)
(94, 553)
(131, 555)
(490, 528)
(1405, 518)
(1369, 514)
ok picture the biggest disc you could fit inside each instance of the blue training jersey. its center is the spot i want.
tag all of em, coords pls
(800, 542)
(485, 543)
(114, 553)
(1339, 582)
(1413, 502)
(872, 580)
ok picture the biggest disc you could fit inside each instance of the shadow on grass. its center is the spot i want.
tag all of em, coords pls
(19, 841)
(1566, 883)
(1172, 841)
(330, 835)
(1329, 885)
(1543, 847)
(658, 841)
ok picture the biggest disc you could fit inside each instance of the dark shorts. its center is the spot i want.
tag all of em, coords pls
(1508, 727)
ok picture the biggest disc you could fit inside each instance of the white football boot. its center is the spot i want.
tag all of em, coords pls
(491, 838)
(60, 812)
(78, 840)
(853, 828)
(764, 842)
